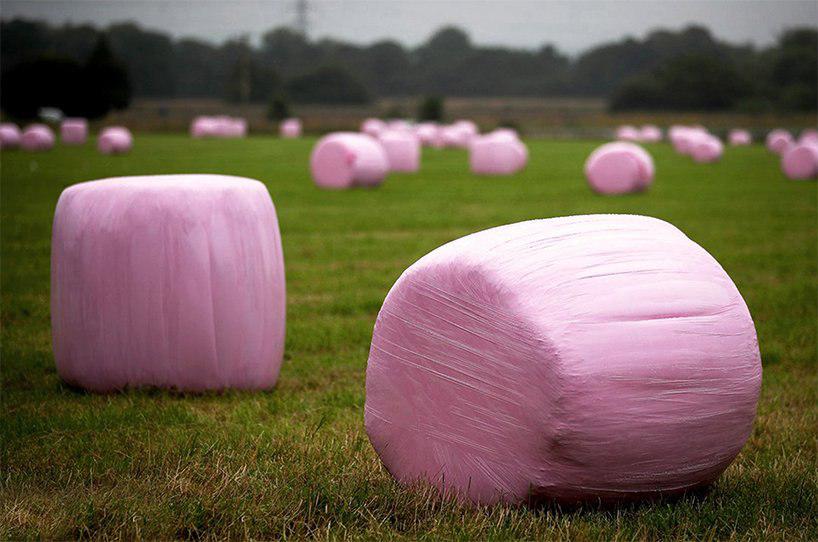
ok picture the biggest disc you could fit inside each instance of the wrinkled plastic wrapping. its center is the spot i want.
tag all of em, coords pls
(500, 153)
(115, 140)
(290, 128)
(583, 358)
(739, 137)
(346, 159)
(800, 161)
(37, 138)
(171, 281)
(619, 167)
(9, 135)
(778, 141)
(74, 131)
(402, 150)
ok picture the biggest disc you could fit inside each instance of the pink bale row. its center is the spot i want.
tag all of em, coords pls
(497, 153)
(648, 133)
(219, 126)
(696, 142)
(619, 167)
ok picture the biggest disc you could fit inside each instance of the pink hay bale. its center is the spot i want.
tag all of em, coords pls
(497, 155)
(584, 358)
(9, 135)
(398, 125)
(619, 167)
(74, 131)
(115, 140)
(739, 137)
(800, 161)
(455, 136)
(37, 138)
(650, 134)
(684, 138)
(427, 133)
(172, 281)
(628, 133)
(809, 136)
(203, 127)
(402, 150)
(347, 159)
(778, 141)
(707, 149)
(290, 128)
(373, 127)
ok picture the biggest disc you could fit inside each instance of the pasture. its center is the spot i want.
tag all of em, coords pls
(295, 462)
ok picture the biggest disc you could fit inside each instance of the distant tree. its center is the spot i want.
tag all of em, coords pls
(43, 82)
(148, 57)
(431, 108)
(795, 70)
(106, 82)
(330, 85)
(279, 108)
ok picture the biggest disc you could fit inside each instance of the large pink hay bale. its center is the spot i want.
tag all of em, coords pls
(373, 127)
(809, 136)
(37, 138)
(290, 128)
(739, 137)
(402, 150)
(172, 281)
(778, 141)
(619, 167)
(706, 149)
(497, 154)
(347, 159)
(800, 161)
(585, 358)
(74, 131)
(9, 135)
(115, 140)
(650, 133)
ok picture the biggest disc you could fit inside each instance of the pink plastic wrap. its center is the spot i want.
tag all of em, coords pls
(619, 167)
(347, 159)
(221, 126)
(585, 358)
(402, 150)
(800, 161)
(809, 136)
(115, 140)
(779, 141)
(497, 154)
(707, 148)
(37, 138)
(456, 136)
(373, 127)
(172, 281)
(74, 131)
(628, 133)
(427, 133)
(738, 137)
(650, 134)
(290, 128)
(685, 138)
(9, 135)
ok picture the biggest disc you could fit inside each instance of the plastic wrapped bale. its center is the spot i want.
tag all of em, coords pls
(170, 281)
(373, 127)
(497, 155)
(398, 125)
(684, 138)
(800, 161)
(809, 136)
(779, 141)
(628, 133)
(468, 127)
(427, 133)
(203, 127)
(115, 140)
(402, 150)
(290, 128)
(707, 149)
(74, 131)
(455, 137)
(37, 138)
(577, 359)
(347, 159)
(9, 135)
(738, 137)
(650, 134)
(619, 168)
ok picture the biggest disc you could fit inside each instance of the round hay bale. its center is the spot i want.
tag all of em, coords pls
(346, 159)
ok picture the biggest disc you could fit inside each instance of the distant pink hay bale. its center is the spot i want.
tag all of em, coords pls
(628, 133)
(373, 127)
(346, 159)
(707, 149)
(172, 281)
(619, 167)
(809, 136)
(115, 140)
(739, 137)
(497, 154)
(577, 359)
(685, 138)
(800, 161)
(9, 135)
(650, 134)
(402, 150)
(290, 128)
(221, 126)
(37, 138)
(427, 133)
(74, 131)
(778, 141)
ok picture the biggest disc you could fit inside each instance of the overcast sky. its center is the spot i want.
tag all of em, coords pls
(571, 25)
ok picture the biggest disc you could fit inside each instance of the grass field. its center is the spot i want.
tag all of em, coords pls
(295, 462)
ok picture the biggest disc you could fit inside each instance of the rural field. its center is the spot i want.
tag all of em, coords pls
(295, 462)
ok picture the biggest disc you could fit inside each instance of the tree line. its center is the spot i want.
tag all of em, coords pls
(686, 69)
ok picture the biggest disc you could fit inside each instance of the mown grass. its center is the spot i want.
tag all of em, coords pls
(295, 462)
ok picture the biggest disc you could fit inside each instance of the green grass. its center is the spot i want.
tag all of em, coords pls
(295, 462)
